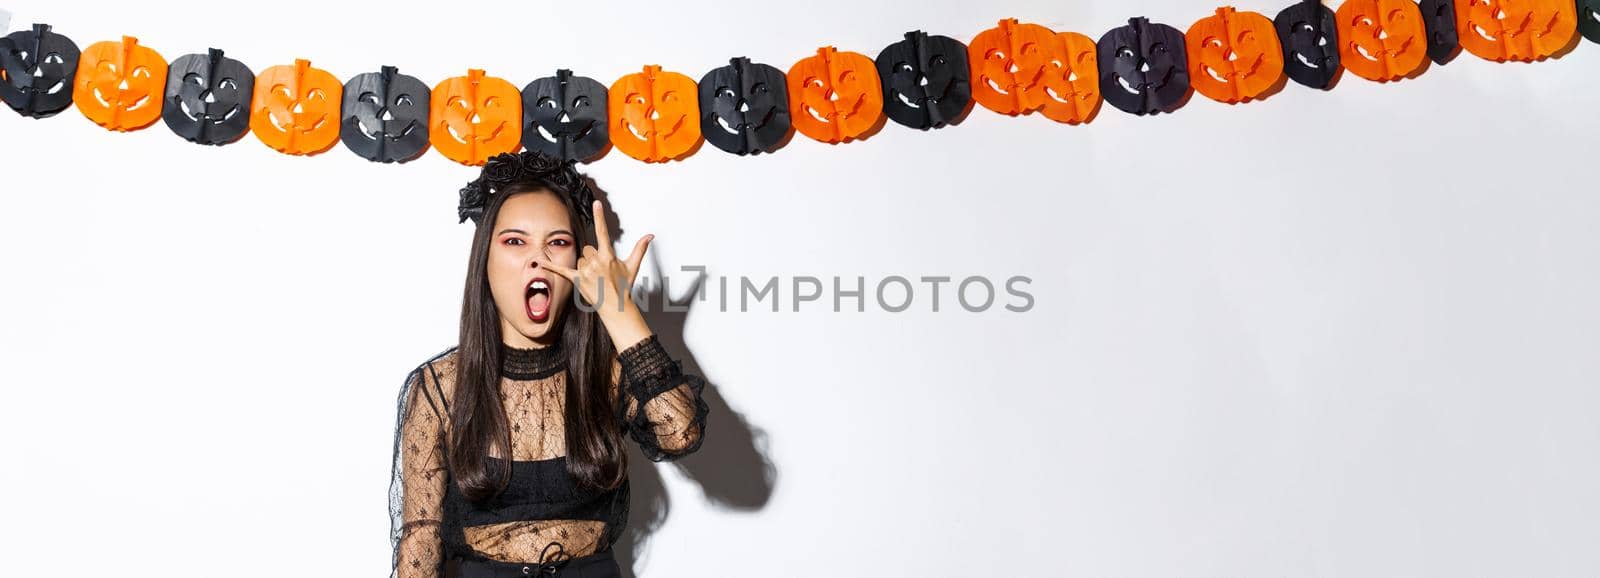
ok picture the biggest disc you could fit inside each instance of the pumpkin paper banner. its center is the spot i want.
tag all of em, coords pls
(37, 71)
(208, 98)
(120, 85)
(1310, 38)
(919, 80)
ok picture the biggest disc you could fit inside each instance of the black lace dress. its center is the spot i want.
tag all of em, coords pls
(543, 515)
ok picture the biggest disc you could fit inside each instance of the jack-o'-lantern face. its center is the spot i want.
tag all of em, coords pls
(1143, 67)
(1381, 40)
(208, 98)
(1589, 19)
(1439, 18)
(926, 80)
(655, 115)
(295, 109)
(1009, 64)
(565, 116)
(474, 117)
(36, 71)
(385, 116)
(1520, 30)
(744, 107)
(1310, 36)
(1234, 56)
(120, 84)
(1072, 80)
(835, 96)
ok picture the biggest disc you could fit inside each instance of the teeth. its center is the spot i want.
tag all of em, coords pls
(540, 285)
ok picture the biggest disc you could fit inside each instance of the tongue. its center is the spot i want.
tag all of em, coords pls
(538, 303)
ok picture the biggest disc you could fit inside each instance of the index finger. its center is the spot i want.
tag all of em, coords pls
(602, 235)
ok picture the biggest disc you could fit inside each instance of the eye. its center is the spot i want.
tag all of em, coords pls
(513, 241)
(560, 242)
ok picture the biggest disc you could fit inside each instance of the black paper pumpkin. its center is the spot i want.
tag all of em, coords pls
(1310, 37)
(926, 80)
(208, 98)
(1589, 19)
(565, 116)
(385, 116)
(37, 68)
(1439, 17)
(1144, 68)
(744, 107)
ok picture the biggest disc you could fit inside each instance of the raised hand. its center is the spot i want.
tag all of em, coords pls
(607, 283)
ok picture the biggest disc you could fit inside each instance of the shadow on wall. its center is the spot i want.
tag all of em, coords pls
(729, 467)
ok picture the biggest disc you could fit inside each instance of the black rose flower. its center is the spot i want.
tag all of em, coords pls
(473, 197)
(540, 164)
(502, 168)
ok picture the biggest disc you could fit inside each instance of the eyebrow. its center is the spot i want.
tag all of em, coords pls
(555, 232)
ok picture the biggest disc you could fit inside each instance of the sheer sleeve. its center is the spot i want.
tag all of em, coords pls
(672, 423)
(418, 477)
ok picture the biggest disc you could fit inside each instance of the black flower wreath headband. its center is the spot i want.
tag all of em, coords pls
(505, 169)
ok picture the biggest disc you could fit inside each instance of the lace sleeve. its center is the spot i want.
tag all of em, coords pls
(418, 477)
(673, 422)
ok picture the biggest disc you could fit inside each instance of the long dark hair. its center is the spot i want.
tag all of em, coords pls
(478, 421)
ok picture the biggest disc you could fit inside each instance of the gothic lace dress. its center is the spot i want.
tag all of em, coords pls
(543, 509)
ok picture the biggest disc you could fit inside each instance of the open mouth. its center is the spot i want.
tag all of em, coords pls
(537, 297)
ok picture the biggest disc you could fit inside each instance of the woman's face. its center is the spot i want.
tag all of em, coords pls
(532, 229)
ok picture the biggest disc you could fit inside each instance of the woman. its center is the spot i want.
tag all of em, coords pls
(554, 387)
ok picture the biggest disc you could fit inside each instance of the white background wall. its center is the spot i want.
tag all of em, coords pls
(1327, 334)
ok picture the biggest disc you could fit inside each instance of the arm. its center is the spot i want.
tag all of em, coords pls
(658, 406)
(673, 417)
(418, 477)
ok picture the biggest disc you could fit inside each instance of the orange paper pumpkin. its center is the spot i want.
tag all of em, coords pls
(1521, 30)
(120, 85)
(295, 109)
(1234, 56)
(1072, 80)
(1009, 65)
(474, 117)
(655, 115)
(835, 96)
(1381, 40)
